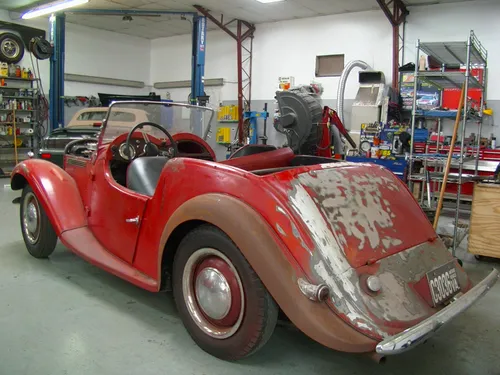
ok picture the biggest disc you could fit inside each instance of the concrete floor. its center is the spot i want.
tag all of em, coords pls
(63, 316)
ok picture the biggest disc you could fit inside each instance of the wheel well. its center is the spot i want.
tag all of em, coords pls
(18, 182)
(171, 247)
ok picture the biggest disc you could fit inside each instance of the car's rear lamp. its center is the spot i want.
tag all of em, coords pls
(46, 155)
(317, 293)
(97, 124)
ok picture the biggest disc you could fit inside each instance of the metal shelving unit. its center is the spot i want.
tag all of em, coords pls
(18, 102)
(468, 55)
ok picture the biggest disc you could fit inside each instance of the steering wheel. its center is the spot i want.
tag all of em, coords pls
(150, 144)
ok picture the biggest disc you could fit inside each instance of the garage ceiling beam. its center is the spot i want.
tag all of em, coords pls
(396, 12)
(244, 48)
(207, 14)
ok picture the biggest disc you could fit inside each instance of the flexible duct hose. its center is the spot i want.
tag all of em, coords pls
(343, 80)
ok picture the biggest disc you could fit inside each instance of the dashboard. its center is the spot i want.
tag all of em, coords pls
(137, 148)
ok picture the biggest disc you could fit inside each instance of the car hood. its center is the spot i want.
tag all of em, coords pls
(356, 220)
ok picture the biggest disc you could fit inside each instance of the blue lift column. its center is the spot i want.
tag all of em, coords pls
(198, 73)
(57, 28)
(198, 59)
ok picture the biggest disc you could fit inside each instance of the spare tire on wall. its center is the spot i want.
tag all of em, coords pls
(11, 48)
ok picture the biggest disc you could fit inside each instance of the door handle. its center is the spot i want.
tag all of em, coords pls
(133, 220)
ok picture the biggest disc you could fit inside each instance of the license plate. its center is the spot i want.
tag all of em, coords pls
(443, 283)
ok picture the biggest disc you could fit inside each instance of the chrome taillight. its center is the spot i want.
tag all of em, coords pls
(314, 292)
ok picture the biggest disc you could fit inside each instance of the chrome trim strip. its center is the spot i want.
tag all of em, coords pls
(76, 162)
(419, 333)
(51, 151)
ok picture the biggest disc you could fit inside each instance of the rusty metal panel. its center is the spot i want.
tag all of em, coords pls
(356, 220)
(370, 212)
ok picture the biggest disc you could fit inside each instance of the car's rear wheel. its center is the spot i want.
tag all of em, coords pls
(38, 234)
(221, 300)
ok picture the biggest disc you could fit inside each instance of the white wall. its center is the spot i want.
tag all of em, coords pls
(98, 53)
(171, 61)
(280, 49)
(290, 48)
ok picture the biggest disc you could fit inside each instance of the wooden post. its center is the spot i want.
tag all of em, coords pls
(450, 154)
(14, 131)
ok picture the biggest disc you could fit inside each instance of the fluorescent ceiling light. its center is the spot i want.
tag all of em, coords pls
(52, 8)
(269, 1)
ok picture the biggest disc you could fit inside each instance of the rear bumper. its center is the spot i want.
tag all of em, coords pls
(419, 333)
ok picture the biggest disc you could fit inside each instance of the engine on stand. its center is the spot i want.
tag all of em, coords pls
(310, 128)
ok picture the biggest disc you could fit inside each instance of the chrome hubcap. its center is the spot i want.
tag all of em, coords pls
(31, 218)
(10, 48)
(213, 293)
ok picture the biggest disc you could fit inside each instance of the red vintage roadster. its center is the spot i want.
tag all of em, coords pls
(342, 249)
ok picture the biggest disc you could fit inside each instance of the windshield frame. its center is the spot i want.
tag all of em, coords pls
(149, 102)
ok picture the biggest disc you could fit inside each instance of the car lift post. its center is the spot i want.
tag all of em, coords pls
(198, 96)
(57, 23)
(244, 46)
(57, 37)
(198, 62)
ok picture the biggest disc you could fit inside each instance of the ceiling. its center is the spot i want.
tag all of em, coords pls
(249, 10)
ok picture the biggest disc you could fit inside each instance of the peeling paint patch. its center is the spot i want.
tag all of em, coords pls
(354, 203)
(389, 242)
(318, 228)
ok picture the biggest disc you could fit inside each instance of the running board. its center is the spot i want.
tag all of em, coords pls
(83, 243)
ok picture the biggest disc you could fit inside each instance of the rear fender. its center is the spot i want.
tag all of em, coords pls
(55, 189)
(275, 266)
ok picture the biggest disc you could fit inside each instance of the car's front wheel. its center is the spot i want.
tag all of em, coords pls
(221, 300)
(38, 234)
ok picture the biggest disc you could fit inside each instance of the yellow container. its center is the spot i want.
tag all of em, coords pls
(228, 113)
(223, 135)
(4, 69)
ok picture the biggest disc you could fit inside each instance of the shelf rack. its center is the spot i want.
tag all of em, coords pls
(468, 55)
(15, 91)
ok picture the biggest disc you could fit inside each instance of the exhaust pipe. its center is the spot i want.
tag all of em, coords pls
(380, 359)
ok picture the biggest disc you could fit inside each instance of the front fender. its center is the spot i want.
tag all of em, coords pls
(272, 261)
(55, 189)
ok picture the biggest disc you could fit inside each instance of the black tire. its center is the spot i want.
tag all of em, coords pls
(42, 241)
(11, 48)
(259, 311)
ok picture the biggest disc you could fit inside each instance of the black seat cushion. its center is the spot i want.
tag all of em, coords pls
(143, 174)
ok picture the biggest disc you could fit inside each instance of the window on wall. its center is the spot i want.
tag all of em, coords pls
(329, 65)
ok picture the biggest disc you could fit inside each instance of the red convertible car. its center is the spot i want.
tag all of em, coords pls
(342, 249)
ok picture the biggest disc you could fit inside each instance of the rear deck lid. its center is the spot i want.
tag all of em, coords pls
(369, 211)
